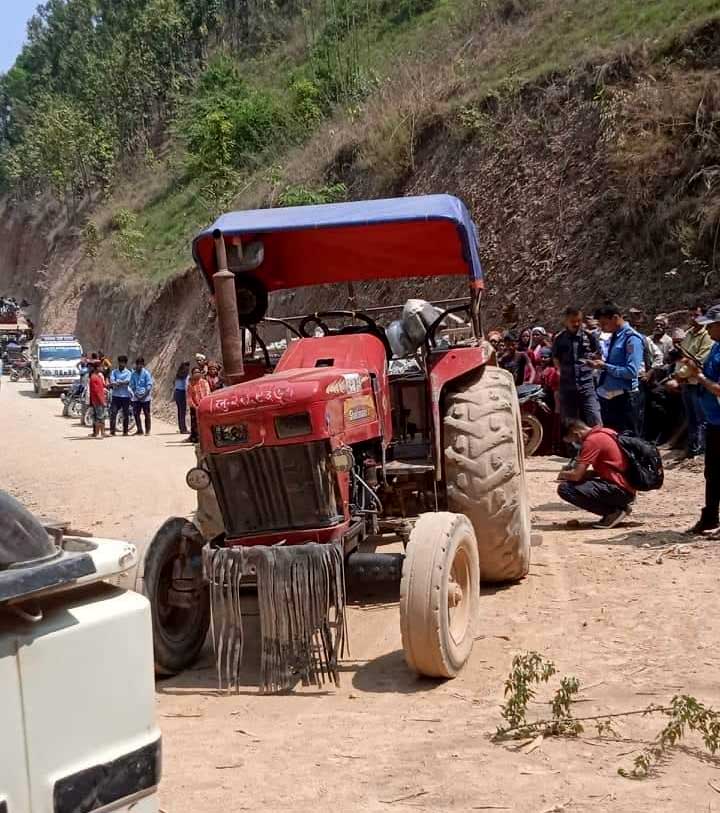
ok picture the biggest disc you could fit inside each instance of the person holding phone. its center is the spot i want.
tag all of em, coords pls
(573, 348)
(619, 384)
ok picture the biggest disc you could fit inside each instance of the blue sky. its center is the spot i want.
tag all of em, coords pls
(14, 15)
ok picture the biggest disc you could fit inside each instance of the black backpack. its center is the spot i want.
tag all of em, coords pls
(645, 467)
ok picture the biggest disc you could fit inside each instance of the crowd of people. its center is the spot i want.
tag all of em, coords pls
(112, 392)
(604, 375)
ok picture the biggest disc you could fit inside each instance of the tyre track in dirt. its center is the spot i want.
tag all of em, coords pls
(634, 630)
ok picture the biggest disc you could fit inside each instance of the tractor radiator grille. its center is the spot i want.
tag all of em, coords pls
(276, 488)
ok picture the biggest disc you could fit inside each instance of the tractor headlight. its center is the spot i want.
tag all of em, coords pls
(342, 459)
(197, 478)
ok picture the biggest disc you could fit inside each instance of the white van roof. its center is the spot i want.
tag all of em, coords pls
(57, 340)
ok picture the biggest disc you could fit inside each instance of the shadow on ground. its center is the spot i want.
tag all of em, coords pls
(387, 673)
(652, 539)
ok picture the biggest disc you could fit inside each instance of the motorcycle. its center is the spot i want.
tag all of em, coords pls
(87, 415)
(73, 400)
(533, 412)
(21, 370)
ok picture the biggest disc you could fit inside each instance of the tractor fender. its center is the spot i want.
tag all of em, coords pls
(446, 368)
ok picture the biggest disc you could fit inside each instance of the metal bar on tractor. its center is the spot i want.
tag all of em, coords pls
(382, 308)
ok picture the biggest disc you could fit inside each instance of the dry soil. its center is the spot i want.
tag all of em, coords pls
(631, 612)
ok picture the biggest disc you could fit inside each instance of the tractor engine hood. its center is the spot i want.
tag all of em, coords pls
(292, 406)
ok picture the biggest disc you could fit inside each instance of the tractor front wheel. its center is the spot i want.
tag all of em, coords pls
(533, 432)
(180, 618)
(439, 594)
(485, 471)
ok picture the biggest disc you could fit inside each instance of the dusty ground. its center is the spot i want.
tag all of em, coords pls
(635, 626)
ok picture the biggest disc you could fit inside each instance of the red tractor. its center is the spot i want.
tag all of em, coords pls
(359, 435)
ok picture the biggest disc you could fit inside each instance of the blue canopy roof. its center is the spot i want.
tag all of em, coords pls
(429, 235)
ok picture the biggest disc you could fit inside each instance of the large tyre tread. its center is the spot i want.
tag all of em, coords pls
(485, 472)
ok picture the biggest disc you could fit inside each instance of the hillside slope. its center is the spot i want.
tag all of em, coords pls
(584, 137)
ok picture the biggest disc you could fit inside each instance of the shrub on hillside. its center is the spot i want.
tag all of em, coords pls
(127, 237)
(301, 195)
(227, 123)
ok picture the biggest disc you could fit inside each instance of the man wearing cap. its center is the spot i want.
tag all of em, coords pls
(201, 362)
(574, 347)
(709, 389)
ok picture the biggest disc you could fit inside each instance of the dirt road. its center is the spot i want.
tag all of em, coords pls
(636, 625)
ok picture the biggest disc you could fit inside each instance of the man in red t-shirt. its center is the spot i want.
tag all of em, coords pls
(606, 491)
(98, 400)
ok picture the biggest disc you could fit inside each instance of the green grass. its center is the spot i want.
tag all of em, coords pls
(551, 35)
(169, 223)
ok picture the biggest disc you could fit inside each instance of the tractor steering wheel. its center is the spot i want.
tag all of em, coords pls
(432, 330)
(317, 318)
(313, 319)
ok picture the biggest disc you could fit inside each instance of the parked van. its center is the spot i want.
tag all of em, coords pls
(54, 361)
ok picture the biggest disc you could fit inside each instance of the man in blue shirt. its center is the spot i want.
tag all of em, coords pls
(709, 382)
(619, 384)
(120, 391)
(141, 384)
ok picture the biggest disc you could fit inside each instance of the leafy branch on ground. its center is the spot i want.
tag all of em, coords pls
(529, 670)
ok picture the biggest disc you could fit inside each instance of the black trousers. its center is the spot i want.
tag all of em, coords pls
(119, 404)
(712, 475)
(141, 408)
(582, 404)
(193, 425)
(623, 413)
(596, 496)
(181, 404)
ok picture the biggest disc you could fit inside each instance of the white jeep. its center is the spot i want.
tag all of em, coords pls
(76, 674)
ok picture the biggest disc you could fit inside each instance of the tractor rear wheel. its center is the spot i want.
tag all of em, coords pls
(439, 594)
(485, 471)
(179, 632)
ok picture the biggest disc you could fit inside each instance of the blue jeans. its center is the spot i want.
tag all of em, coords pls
(180, 399)
(580, 403)
(140, 409)
(622, 413)
(695, 419)
(118, 405)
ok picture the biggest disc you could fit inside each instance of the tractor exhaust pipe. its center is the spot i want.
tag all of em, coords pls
(227, 312)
